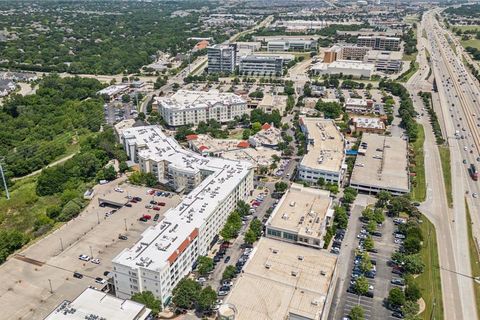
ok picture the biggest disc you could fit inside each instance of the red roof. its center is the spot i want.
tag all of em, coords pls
(243, 144)
(183, 246)
(201, 148)
(191, 137)
(266, 126)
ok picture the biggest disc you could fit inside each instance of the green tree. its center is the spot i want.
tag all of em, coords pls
(330, 110)
(412, 291)
(371, 226)
(367, 213)
(206, 298)
(126, 98)
(10, 240)
(256, 126)
(369, 244)
(281, 186)
(228, 273)
(123, 166)
(246, 134)
(410, 309)
(205, 265)
(148, 299)
(366, 264)
(321, 181)
(357, 313)
(361, 285)
(243, 208)
(250, 237)
(396, 297)
(378, 215)
(412, 245)
(186, 293)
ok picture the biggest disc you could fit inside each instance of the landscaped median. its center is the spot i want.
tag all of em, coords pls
(418, 185)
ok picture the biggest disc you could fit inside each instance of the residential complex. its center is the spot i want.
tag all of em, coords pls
(284, 281)
(381, 164)
(357, 69)
(325, 151)
(167, 251)
(261, 65)
(379, 42)
(95, 305)
(302, 216)
(191, 107)
(222, 58)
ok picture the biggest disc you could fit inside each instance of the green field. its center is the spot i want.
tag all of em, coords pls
(419, 188)
(410, 57)
(412, 18)
(447, 176)
(429, 281)
(475, 43)
(474, 258)
(466, 28)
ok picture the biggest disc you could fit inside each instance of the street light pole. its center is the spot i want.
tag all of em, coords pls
(125, 220)
(91, 252)
(4, 180)
(98, 218)
(61, 243)
(50, 283)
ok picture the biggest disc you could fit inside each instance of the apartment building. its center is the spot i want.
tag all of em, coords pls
(167, 251)
(222, 58)
(191, 107)
(261, 65)
(379, 42)
(325, 157)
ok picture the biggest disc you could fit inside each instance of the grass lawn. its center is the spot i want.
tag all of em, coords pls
(419, 188)
(447, 175)
(474, 260)
(236, 135)
(429, 281)
(475, 43)
(411, 18)
(409, 73)
(466, 28)
(410, 57)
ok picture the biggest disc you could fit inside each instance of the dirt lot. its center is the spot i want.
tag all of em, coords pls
(25, 290)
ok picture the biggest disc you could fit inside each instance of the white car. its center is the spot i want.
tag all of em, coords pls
(100, 280)
(474, 195)
(398, 241)
(84, 257)
(118, 190)
(95, 261)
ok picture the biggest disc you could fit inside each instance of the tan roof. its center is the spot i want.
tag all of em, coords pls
(297, 281)
(327, 151)
(302, 210)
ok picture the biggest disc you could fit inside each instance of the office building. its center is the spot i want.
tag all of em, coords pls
(221, 58)
(272, 102)
(261, 65)
(381, 164)
(359, 106)
(367, 124)
(379, 42)
(191, 107)
(168, 250)
(291, 45)
(283, 281)
(93, 304)
(301, 216)
(345, 52)
(387, 61)
(325, 151)
(357, 69)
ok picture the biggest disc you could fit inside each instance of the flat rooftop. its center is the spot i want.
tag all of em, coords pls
(188, 99)
(325, 150)
(160, 243)
(368, 123)
(344, 64)
(383, 55)
(281, 279)
(302, 210)
(383, 164)
(92, 302)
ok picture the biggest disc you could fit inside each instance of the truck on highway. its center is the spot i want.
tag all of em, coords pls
(473, 172)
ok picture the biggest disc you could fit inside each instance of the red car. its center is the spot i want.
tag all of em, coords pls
(162, 204)
(147, 216)
(133, 201)
(156, 208)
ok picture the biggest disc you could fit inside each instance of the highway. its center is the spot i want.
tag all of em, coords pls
(457, 95)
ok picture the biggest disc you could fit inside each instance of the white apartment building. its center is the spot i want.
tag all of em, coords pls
(167, 251)
(191, 107)
(325, 157)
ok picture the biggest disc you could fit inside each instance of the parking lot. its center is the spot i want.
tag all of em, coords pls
(41, 276)
(344, 301)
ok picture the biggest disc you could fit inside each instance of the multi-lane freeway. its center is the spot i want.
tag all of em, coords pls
(458, 96)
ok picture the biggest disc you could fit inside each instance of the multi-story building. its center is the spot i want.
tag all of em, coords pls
(357, 105)
(291, 45)
(388, 61)
(379, 42)
(301, 216)
(222, 58)
(345, 52)
(191, 107)
(167, 251)
(357, 69)
(325, 157)
(261, 65)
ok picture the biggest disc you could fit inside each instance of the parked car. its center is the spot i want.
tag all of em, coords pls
(227, 259)
(128, 205)
(100, 280)
(147, 216)
(122, 237)
(84, 257)
(95, 261)
(156, 208)
(161, 204)
(118, 190)
(143, 219)
(398, 281)
(155, 218)
(153, 202)
(77, 275)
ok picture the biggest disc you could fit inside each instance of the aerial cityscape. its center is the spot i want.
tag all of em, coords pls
(239, 160)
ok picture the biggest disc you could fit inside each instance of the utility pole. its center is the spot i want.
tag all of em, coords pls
(61, 243)
(50, 283)
(91, 251)
(98, 218)
(125, 220)
(4, 180)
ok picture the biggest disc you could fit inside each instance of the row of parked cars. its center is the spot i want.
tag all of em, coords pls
(227, 284)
